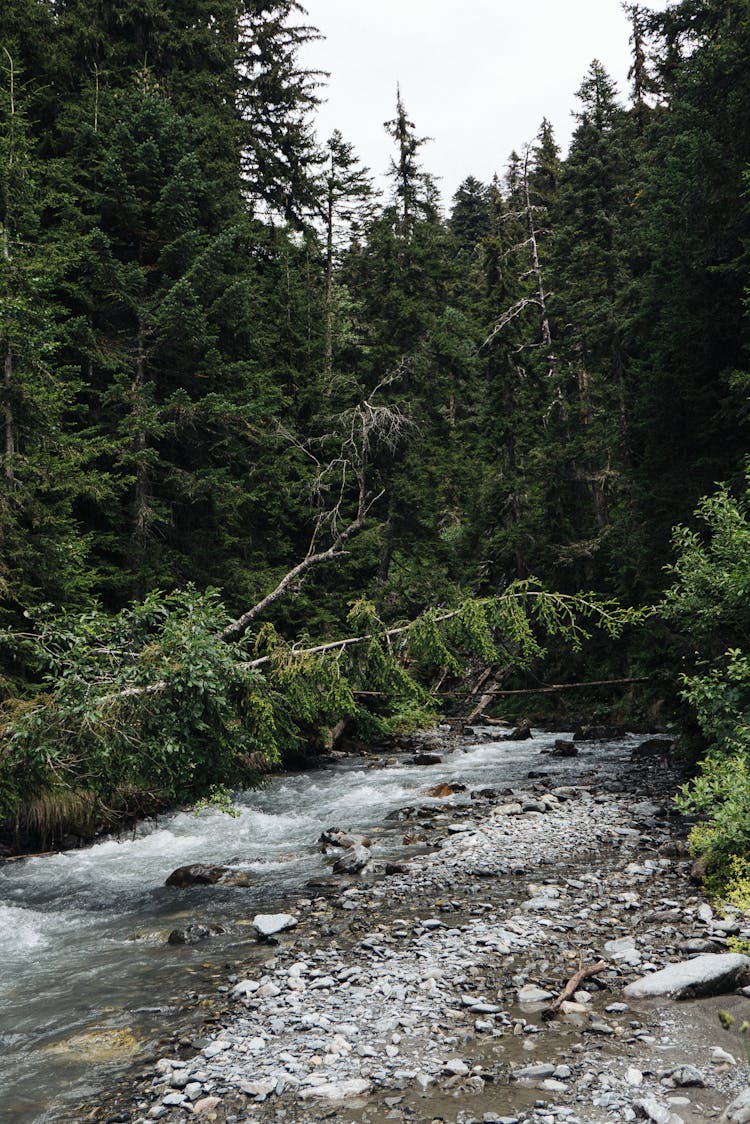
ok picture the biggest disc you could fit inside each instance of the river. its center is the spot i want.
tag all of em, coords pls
(83, 952)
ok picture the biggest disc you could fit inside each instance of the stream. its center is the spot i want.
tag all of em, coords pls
(87, 980)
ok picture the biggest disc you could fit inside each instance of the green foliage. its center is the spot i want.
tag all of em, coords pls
(708, 602)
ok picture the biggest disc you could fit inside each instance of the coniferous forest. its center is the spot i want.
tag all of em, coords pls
(280, 450)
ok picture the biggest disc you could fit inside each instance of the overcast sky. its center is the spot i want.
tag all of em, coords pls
(477, 76)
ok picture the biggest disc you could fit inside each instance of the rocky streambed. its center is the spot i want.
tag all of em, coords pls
(419, 989)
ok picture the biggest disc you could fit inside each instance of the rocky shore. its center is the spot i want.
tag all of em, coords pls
(421, 990)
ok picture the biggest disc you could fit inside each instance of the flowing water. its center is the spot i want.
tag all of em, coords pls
(86, 976)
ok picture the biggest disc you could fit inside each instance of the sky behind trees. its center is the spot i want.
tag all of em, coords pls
(476, 77)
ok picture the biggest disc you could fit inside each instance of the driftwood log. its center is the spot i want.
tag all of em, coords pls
(571, 987)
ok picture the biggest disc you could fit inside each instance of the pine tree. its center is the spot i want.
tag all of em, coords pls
(349, 205)
(41, 468)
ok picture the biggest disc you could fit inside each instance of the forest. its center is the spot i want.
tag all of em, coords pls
(280, 450)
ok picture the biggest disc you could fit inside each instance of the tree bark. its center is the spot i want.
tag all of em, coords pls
(572, 986)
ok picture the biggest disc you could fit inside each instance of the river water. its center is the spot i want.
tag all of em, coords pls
(84, 963)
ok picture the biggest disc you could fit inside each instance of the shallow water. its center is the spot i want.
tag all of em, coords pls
(83, 934)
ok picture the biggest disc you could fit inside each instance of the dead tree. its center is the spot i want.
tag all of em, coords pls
(359, 431)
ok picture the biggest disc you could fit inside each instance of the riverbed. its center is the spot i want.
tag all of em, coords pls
(90, 983)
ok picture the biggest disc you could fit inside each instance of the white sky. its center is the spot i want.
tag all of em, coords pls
(477, 76)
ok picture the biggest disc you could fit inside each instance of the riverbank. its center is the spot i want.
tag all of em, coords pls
(418, 994)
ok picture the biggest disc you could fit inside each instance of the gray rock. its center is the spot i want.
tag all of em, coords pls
(268, 924)
(652, 1110)
(352, 860)
(199, 874)
(191, 934)
(704, 975)
(537, 1072)
(738, 1112)
(564, 749)
(688, 1075)
(337, 1090)
(530, 993)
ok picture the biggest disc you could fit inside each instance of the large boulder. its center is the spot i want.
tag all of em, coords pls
(352, 860)
(426, 759)
(711, 974)
(199, 874)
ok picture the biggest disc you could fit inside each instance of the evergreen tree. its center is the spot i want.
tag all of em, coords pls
(42, 553)
(349, 205)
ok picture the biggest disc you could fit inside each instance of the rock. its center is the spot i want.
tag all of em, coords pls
(337, 1090)
(645, 810)
(530, 993)
(704, 975)
(687, 1076)
(198, 874)
(653, 747)
(446, 789)
(520, 734)
(738, 1112)
(426, 759)
(538, 1072)
(513, 809)
(652, 1110)
(206, 1105)
(457, 1067)
(597, 733)
(699, 870)
(564, 749)
(335, 837)
(353, 860)
(268, 924)
(396, 868)
(191, 934)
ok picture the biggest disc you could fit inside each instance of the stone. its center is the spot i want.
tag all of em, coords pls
(738, 1112)
(352, 860)
(653, 747)
(335, 837)
(712, 974)
(206, 1105)
(269, 924)
(652, 1110)
(337, 1090)
(456, 1067)
(538, 1072)
(530, 993)
(199, 874)
(597, 733)
(513, 809)
(564, 748)
(687, 1075)
(426, 759)
(191, 934)
(445, 789)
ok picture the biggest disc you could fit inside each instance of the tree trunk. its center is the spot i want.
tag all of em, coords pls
(10, 432)
(328, 361)
(141, 498)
